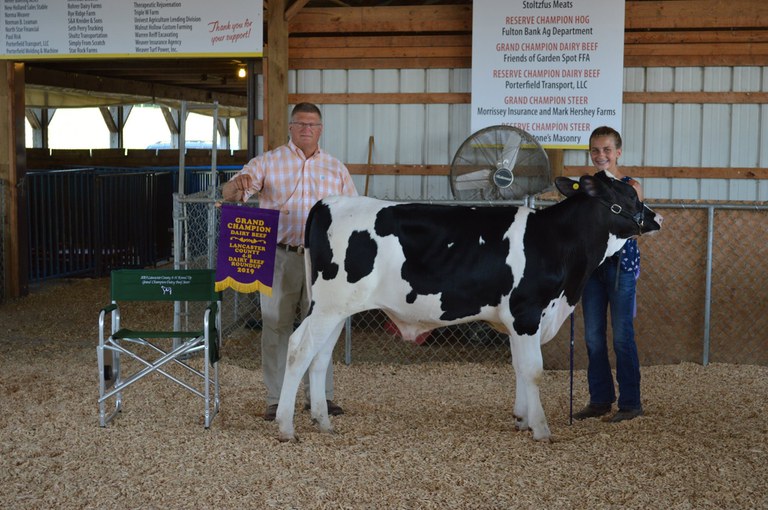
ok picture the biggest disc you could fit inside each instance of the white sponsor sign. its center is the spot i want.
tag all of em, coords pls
(50, 29)
(553, 68)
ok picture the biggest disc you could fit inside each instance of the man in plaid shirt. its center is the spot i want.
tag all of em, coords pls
(290, 179)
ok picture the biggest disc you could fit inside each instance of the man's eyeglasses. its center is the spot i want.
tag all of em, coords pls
(302, 125)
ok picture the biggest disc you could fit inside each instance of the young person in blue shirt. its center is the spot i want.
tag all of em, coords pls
(612, 284)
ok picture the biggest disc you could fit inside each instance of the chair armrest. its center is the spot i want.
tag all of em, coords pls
(102, 319)
(212, 328)
(109, 308)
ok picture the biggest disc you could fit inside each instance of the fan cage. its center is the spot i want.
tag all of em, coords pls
(487, 153)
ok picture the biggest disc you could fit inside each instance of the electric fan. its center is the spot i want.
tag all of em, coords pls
(499, 163)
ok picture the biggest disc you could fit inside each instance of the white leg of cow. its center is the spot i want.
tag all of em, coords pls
(529, 369)
(521, 401)
(312, 337)
(317, 375)
(298, 360)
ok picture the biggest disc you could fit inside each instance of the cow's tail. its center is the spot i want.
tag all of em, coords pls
(307, 257)
(308, 273)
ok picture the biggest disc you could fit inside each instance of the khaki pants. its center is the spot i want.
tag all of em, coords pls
(278, 314)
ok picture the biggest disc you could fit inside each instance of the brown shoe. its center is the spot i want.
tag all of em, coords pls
(592, 411)
(270, 413)
(333, 409)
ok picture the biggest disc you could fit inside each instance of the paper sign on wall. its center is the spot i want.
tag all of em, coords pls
(553, 68)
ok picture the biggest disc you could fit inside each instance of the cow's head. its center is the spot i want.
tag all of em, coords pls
(618, 197)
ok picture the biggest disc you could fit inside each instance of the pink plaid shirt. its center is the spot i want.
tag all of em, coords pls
(288, 182)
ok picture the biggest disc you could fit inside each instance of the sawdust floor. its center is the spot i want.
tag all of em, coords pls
(436, 435)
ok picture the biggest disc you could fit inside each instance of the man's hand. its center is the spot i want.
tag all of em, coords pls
(234, 189)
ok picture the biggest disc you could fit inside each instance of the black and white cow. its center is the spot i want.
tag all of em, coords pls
(428, 266)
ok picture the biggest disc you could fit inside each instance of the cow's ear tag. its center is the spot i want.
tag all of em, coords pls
(575, 186)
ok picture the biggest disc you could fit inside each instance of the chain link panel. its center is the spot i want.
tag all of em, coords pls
(672, 298)
(739, 332)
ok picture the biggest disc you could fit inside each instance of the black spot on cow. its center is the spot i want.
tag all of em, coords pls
(361, 253)
(455, 251)
(316, 236)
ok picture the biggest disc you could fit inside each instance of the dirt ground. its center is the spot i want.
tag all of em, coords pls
(432, 435)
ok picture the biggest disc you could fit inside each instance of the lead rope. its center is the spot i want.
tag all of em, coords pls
(570, 420)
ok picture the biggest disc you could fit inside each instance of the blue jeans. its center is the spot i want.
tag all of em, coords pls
(600, 292)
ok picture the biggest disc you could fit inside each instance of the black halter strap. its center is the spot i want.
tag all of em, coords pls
(638, 217)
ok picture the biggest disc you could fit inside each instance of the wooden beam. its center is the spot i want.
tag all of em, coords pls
(380, 52)
(33, 117)
(696, 97)
(390, 20)
(384, 98)
(58, 158)
(698, 50)
(13, 167)
(78, 81)
(694, 36)
(222, 128)
(297, 43)
(171, 120)
(276, 94)
(573, 171)
(258, 127)
(679, 172)
(465, 98)
(383, 52)
(365, 169)
(294, 9)
(39, 119)
(109, 120)
(382, 63)
(695, 14)
(694, 60)
(41, 159)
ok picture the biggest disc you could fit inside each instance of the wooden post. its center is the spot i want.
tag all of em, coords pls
(14, 263)
(556, 158)
(276, 76)
(251, 117)
(369, 168)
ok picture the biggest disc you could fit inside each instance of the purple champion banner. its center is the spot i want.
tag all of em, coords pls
(247, 242)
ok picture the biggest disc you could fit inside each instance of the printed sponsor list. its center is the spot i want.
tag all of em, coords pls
(158, 31)
(85, 25)
(140, 28)
(22, 21)
(548, 69)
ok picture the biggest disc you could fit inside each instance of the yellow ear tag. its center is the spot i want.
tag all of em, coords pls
(575, 185)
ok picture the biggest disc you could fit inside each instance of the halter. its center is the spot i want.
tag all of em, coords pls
(638, 217)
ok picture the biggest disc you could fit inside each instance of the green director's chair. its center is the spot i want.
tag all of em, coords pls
(169, 352)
